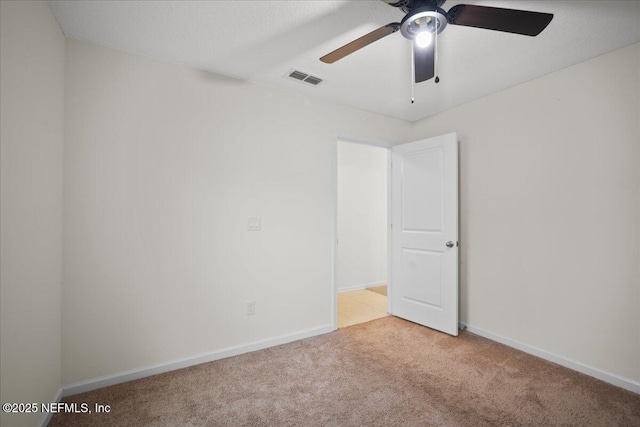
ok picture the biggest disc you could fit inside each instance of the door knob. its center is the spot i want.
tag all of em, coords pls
(450, 244)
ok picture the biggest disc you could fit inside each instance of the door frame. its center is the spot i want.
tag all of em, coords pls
(334, 241)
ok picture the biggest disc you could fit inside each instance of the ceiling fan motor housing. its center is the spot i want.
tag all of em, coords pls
(430, 19)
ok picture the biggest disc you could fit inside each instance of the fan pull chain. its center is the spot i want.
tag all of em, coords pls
(437, 80)
(413, 70)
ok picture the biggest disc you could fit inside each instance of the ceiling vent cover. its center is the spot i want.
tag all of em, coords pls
(313, 80)
(298, 75)
(304, 77)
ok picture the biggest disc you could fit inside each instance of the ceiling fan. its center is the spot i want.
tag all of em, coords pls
(425, 19)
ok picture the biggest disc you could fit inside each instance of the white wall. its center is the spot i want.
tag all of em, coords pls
(550, 217)
(164, 164)
(31, 167)
(163, 167)
(362, 215)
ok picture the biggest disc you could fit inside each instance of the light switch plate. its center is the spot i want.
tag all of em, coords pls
(255, 224)
(251, 308)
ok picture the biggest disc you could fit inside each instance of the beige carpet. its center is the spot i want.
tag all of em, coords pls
(387, 372)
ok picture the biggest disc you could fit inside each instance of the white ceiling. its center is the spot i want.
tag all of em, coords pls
(260, 41)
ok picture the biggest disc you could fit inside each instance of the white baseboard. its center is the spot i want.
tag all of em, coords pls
(159, 368)
(362, 286)
(610, 378)
(46, 416)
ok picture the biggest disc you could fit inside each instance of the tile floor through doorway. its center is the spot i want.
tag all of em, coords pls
(361, 306)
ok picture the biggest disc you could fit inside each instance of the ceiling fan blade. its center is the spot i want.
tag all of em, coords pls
(361, 42)
(423, 60)
(498, 19)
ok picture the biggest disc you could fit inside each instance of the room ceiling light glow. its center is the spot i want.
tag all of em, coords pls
(424, 38)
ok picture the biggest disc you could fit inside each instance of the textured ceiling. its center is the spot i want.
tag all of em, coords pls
(260, 41)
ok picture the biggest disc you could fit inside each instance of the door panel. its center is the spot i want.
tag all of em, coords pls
(424, 211)
(423, 190)
(423, 270)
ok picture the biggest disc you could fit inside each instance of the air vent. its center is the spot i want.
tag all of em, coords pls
(313, 80)
(304, 77)
(298, 75)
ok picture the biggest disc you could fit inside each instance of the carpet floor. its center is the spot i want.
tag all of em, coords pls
(387, 372)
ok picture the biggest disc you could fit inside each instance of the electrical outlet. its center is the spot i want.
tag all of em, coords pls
(251, 308)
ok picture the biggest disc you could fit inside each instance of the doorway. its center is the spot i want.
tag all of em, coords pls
(421, 265)
(362, 252)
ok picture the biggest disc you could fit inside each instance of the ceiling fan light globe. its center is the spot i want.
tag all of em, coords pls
(424, 38)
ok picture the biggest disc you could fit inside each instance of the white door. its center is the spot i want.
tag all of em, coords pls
(424, 231)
